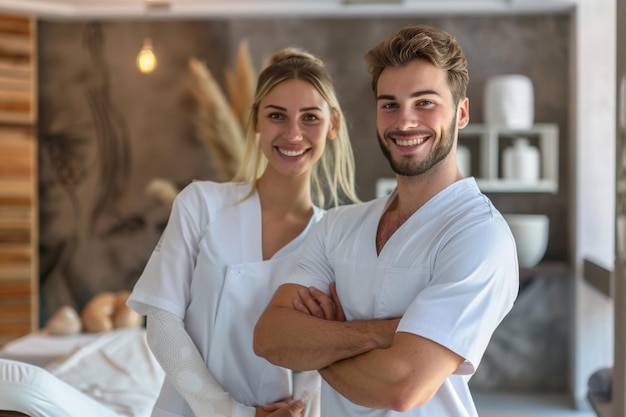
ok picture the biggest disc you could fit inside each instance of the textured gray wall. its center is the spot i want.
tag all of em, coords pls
(536, 46)
(106, 130)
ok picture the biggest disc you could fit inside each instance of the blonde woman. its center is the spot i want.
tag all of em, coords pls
(228, 246)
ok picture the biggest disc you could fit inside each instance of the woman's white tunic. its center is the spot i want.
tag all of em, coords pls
(208, 269)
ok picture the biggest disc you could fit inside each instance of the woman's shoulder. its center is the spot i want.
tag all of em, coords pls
(212, 193)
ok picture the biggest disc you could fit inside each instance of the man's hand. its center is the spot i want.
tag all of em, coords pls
(316, 303)
(300, 341)
(287, 408)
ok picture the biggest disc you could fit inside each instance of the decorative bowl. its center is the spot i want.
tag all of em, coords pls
(531, 232)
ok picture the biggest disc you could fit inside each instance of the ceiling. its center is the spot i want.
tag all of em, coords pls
(79, 9)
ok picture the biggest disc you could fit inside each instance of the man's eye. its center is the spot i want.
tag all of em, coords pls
(389, 105)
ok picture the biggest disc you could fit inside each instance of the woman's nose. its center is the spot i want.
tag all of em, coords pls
(294, 131)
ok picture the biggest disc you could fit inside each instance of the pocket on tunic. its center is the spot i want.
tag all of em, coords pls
(399, 288)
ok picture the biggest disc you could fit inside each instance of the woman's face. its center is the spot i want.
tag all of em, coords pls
(294, 122)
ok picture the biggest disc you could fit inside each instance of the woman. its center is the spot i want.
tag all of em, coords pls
(227, 247)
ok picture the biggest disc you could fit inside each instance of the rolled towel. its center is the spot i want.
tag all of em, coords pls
(600, 384)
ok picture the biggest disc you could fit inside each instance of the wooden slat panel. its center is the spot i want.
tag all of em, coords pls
(9, 201)
(15, 44)
(16, 118)
(15, 25)
(18, 62)
(15, 254)
(16, 216)
(17, 187)
(13, 290)
(17, 236)
(15, 316)
(15, 97)
(13, 272)
(15, 166)
(19, 327)
(15, 105)
(17, 84)
(18, 71)
(15, 135)
(18, 178)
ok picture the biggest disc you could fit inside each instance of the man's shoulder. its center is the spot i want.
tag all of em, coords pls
(354, 211)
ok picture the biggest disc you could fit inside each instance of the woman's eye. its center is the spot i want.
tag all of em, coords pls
(310, 117)
(275, 116)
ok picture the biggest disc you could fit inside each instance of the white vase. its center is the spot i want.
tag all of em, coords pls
(520, 162)
(509, 101)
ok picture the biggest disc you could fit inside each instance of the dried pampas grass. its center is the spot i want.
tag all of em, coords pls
(241, 84)
(165, 191)
(220, 122)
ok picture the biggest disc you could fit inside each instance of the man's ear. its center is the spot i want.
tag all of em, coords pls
(463, 113)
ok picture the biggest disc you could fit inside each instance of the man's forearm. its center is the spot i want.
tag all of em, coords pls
(401, 377)
(360, 380)
(298, 341)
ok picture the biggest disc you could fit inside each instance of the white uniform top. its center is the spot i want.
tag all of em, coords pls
(450, 271)
(208, 269)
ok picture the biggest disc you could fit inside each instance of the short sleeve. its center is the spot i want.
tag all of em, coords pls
(166, 279)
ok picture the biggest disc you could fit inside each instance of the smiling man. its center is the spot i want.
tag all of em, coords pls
(395, 300)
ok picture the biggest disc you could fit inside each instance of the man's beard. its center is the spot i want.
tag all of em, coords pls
(409, 168)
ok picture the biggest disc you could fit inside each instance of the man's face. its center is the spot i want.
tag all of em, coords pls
(417, 119)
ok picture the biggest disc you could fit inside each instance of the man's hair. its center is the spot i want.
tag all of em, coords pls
(421, 42)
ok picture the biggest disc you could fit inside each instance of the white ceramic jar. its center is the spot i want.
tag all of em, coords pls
(509, 101)
(520, 162)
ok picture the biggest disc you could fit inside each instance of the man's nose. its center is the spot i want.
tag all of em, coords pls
(407, 118)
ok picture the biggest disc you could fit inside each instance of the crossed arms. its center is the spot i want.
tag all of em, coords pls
(367, 361)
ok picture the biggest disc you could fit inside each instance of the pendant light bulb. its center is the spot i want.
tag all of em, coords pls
(146, 60)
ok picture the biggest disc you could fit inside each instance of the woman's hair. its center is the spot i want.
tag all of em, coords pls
(333, 174)
(421, 42)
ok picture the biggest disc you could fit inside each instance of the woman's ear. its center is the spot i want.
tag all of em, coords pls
(333, 129)
(254, 119)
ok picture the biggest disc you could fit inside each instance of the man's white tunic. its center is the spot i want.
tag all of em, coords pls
(450, 271)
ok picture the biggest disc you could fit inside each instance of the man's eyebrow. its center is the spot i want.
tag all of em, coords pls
(415, 94)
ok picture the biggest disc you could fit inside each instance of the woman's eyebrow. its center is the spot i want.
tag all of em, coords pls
(274, 106)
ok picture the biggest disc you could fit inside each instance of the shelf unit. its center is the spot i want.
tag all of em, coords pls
(489, 146)
(19, 265)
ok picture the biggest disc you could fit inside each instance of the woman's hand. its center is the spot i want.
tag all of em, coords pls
(317, 303)
(288, 408)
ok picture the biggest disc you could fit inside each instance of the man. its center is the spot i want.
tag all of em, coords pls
(435, 253)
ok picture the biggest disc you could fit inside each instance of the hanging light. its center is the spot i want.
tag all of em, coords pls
(146, 60)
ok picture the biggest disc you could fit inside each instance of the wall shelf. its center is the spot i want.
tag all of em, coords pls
(489, 141)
